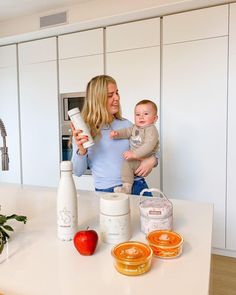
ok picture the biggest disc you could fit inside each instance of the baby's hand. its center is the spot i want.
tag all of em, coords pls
(129, 155)
(113, 134)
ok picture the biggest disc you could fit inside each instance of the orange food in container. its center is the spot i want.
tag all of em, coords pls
(132, 258)
(165, 244)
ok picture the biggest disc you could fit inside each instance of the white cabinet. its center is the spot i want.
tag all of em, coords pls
(133, 35)
(81, 57)
(195, 25)
(9, 112)
(133, 59)
(74, 73)
(81, 44)
(231, 156)
(37, 51)
(39, 112)
(194, 118)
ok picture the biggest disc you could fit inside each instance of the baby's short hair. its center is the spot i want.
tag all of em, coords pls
(146, 101)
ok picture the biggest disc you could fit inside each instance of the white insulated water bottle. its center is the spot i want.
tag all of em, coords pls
(66, 204)
(78, 122)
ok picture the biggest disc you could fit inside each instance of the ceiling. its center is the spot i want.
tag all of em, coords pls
(16, 8)
(10, 9)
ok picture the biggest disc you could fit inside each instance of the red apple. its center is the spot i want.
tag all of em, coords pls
(85, 241)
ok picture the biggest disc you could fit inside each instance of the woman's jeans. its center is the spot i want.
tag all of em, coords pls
(137, 187)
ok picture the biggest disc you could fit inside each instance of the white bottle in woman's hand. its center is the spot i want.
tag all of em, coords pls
(67, 211)
(79, 124)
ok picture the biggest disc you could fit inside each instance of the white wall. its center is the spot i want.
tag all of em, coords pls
(231, 161)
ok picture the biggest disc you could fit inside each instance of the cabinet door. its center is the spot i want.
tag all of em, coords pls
(9, 112)
(231, 160)
(80, 59)
(74, 73)
(137, 73)
(134, 62)
(194, 109)
(39, 120)
(81, 44)
(195, 25)
(139, 34)
(37, 51)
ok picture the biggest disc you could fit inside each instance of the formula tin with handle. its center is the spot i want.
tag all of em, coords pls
(156, 213)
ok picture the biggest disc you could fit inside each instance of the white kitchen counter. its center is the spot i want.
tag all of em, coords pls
(39, 263)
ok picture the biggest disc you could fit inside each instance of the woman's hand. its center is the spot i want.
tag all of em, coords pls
(79, 139)
(146, 166)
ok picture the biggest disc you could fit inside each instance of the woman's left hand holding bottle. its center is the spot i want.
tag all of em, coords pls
(79, 140)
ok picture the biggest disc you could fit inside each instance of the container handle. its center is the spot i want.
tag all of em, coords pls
(162, 195)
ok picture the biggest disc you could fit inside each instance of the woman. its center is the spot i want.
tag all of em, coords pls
(102, 113)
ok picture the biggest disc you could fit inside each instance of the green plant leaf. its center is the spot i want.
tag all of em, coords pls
(8, 227)
(1, 242)
(1, 247)
(21, 218)
(4, 235)
(3, 219)
(13, 216)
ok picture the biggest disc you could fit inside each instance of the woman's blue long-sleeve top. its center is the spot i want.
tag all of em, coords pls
(104, 158)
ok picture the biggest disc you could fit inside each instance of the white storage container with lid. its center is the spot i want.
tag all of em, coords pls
(115, 218)
(156, 213)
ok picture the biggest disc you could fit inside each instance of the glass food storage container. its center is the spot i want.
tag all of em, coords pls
(165, 244)
(132, 258)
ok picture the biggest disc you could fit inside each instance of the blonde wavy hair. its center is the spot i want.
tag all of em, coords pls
(94, 111)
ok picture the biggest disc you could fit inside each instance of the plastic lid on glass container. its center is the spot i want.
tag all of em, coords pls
(165, 239)
(132, 252)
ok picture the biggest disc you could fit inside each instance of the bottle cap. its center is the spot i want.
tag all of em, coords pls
(74, 111)
(66, 166)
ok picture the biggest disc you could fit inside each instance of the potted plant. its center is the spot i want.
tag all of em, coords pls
(4, 227)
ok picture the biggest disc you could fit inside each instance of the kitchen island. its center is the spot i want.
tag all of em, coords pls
(36, 262)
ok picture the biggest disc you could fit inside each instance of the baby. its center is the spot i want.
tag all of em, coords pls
(144, 141)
